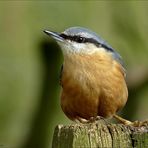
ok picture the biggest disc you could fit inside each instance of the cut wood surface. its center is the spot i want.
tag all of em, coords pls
(100, 135)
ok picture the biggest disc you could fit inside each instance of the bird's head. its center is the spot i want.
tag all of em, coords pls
(79, 40)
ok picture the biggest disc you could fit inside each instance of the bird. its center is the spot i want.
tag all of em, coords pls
(92, 76)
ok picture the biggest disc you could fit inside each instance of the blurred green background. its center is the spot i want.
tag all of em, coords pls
(30, 62)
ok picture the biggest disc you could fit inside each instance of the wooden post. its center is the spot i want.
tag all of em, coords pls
(100, 135)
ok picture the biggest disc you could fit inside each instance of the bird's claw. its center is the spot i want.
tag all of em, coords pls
(138, 123)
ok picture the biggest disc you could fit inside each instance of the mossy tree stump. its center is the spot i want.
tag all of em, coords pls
(100, 135)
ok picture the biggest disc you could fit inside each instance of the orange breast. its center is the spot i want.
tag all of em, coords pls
(93, 85)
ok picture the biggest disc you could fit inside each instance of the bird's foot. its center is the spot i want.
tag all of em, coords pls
(129, 123)
(96, 119)
(90, 120)
(81, 120)
(139, 123)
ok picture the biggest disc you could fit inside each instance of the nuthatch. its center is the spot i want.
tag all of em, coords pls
(92, 77)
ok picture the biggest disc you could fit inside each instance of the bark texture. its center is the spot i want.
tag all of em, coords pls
(100, 135)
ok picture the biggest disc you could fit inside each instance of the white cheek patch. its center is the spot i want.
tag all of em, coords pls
(79, 48)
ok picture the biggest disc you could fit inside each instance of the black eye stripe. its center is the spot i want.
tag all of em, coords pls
(64, 36)
(80, 39)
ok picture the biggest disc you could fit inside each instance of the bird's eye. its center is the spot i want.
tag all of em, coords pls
(79, 39)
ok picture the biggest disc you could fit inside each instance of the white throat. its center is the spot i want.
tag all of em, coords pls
(79, 48)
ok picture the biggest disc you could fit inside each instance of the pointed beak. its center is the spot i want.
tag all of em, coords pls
(54, 35)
